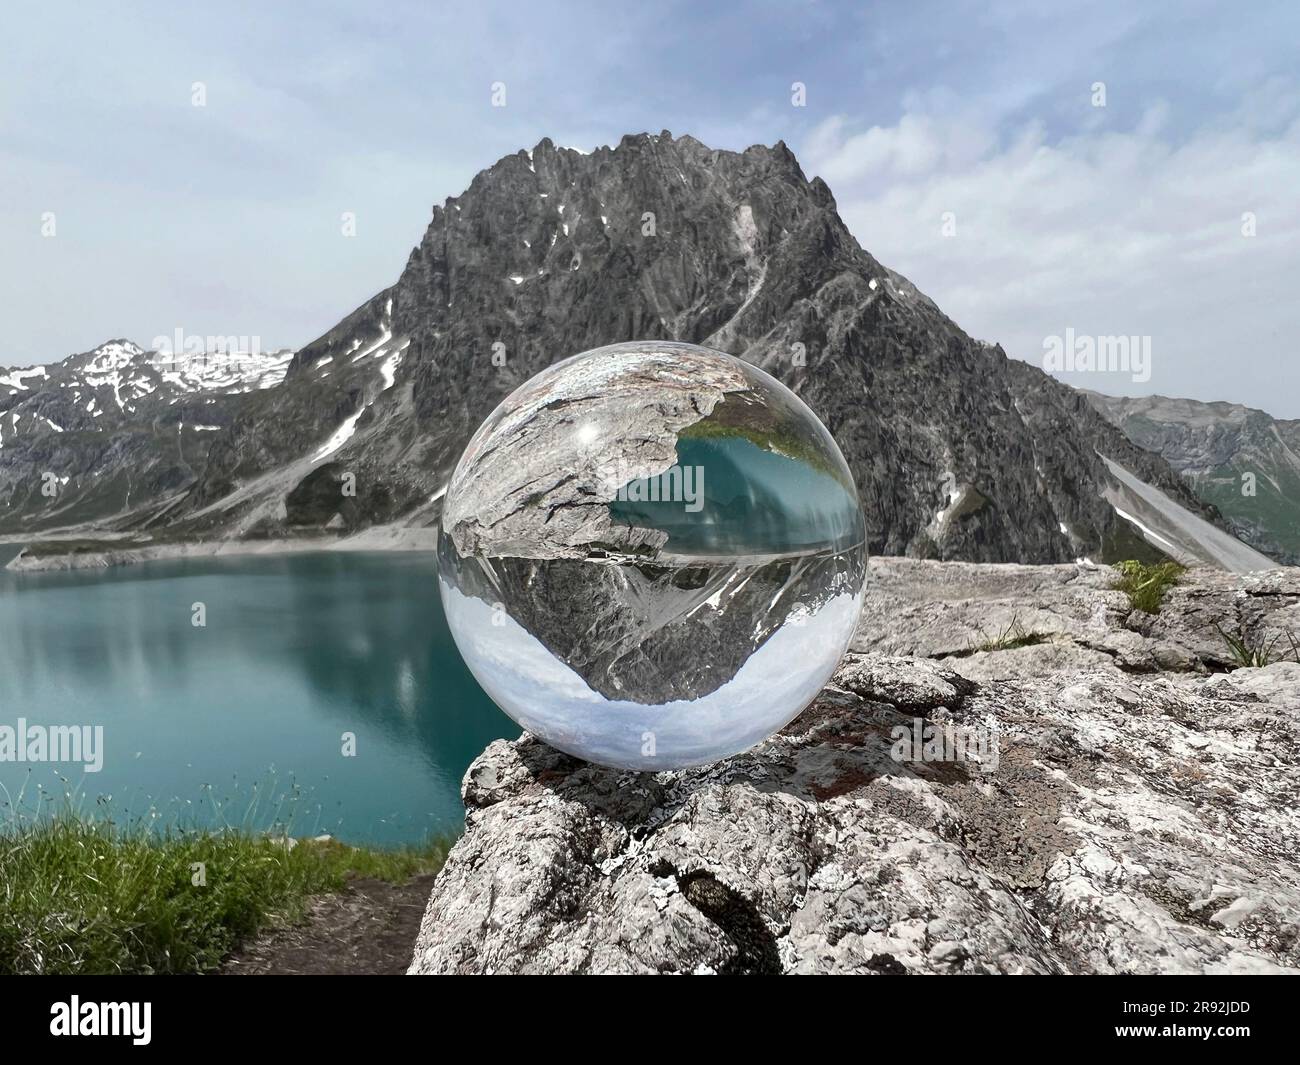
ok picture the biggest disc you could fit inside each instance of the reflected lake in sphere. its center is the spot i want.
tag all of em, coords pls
(652, 555)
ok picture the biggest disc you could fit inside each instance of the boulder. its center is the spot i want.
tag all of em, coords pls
(1120, 815)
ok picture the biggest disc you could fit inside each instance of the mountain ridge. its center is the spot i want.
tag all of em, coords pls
(1241, 459)
(959, 452)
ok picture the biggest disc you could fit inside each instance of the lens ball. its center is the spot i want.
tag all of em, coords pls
(652, 555)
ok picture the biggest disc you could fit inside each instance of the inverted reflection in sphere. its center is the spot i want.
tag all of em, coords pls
(652, 555)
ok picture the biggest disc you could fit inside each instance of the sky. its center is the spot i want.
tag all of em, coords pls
(966, 145)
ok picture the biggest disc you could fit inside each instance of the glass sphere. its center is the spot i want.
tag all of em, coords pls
(652, 555)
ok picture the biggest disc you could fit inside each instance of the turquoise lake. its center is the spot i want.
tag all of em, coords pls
(744, 499)
(242, 721)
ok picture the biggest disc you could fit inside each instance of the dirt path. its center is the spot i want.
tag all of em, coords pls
(369, 928)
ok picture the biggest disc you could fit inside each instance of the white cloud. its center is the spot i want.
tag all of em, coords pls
(548, 698)
(1133, 231)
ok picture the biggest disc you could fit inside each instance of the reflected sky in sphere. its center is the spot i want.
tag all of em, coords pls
(652, 555)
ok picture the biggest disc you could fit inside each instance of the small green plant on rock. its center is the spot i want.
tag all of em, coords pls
(1013, 636)
(1145, 584)
(1256, 650)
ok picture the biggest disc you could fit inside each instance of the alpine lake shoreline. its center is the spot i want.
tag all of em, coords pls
(1055, 658)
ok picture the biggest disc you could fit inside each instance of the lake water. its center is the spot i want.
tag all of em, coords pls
(243, 719)
(748, 500)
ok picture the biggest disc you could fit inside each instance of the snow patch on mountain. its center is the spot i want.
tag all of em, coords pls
(16, 380)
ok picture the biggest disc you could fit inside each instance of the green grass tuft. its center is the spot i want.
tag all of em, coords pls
(1248, 651)
(1013, 636)
(80, 896)
(1145, 583)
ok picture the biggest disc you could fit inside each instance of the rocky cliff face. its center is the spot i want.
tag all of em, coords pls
(1242, 460)
(958, 451)
(1089, 791)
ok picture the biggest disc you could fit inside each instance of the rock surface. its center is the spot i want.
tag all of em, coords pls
(1133, 808)
(516, 494)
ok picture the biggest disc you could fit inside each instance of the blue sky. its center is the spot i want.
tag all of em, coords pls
(224, 219)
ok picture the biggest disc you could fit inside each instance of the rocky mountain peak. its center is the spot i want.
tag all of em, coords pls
(958, 451)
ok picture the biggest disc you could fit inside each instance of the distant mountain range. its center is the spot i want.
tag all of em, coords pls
(105, 436)
(958, 451)
(1244, 461)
